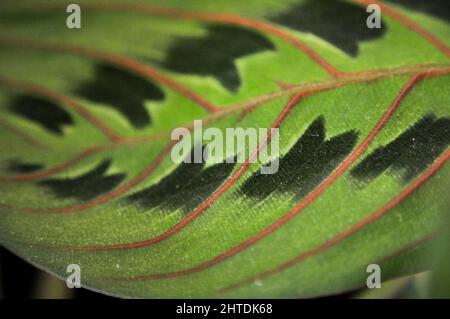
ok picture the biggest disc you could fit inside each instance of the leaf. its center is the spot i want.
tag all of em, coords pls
(45, 113)
(343, 30)
(229, 43)
(86, 175)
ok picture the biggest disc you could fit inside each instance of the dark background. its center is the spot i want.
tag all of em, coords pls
(19, 280)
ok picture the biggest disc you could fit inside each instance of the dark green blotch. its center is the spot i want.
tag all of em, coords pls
(305, 166)
(42, 111)
(123, 91)
(17, 166)
(409, 154)
(437, 8)
(185, 188)
(214, 54)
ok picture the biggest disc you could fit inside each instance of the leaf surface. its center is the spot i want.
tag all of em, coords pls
(86, 175)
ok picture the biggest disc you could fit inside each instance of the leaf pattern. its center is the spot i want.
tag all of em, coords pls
(410, 153)
(87, 115)
(306, 164)
(215, 54)
(45, 113)
(343, 30)
(108, 88)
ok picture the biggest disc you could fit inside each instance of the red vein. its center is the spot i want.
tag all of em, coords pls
(397, 253)
(305, 202)
(431, 72)
(245, 112)
(200, 209)
(92, 150)
(291, 89)
(23, 135)
(223, 18)
(355, 228)
(66, 101)
(405, 249)
(117, 60)
(410, 24)
(266, 27)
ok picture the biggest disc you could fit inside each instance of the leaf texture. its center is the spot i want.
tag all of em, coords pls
(86, 175)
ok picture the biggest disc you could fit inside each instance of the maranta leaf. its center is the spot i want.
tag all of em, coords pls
(86, 118)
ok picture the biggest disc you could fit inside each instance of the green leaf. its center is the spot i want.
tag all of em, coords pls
(86, 118)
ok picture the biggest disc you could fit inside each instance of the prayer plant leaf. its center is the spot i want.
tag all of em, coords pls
(86, 115)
